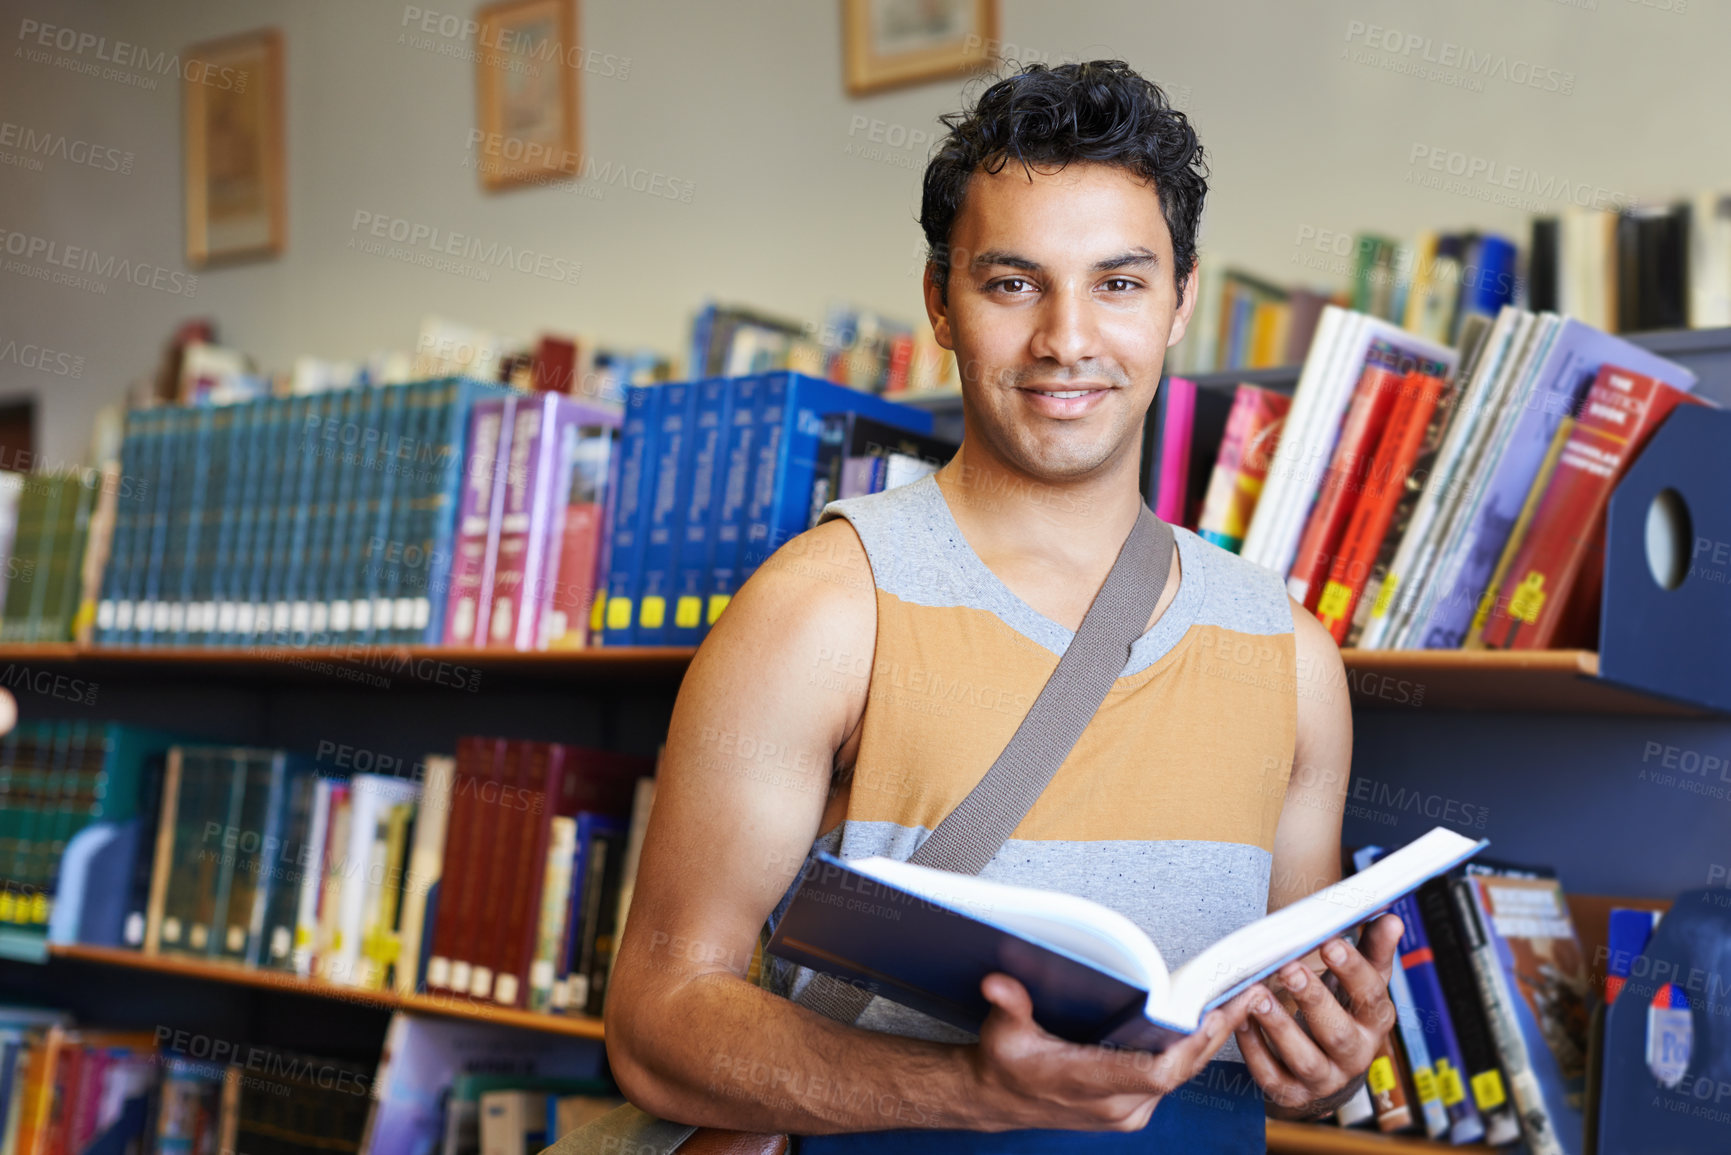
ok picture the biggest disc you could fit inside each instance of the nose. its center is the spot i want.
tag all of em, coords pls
(1065, 331)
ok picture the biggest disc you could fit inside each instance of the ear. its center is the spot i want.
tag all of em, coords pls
(937, 310)
(1181, 318)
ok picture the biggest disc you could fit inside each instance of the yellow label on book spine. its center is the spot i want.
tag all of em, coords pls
(1488, 1089)
(618, 613)
(1384, 595)
(1424, 1082)
(1449, 1083)
(598, 612)
(654, 612)
(1528, 598)
(687, 611)
(1333, 602)
(717, 603)
(1380, 1078)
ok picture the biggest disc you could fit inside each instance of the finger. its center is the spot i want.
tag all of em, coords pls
(1266, 1068)
(1380, 943)
(1301, 1054)
(1365, 987)
(1180, 1062)
(1009, 996)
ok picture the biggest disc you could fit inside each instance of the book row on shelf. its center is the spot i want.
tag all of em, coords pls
(449, 512)
(1614, 264)
(453, 1088)
(1416, 495)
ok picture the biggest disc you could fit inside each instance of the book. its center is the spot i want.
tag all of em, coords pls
(1240, 468)
(925, 938)
(578, 596)
(491, 424)
(1518, 534)
(1532, 974)
(636, 476)
(426, 863)
(1177, 406)
(1619, 414)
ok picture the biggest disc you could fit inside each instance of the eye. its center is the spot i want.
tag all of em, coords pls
(1013, 285)
(1121, 284)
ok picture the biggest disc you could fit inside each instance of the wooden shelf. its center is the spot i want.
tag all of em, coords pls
(1550, 681)
(444, 1006)
(1324, 1139)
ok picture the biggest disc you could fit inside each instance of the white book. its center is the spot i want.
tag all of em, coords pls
(1398, 586)
(312, 878)
(925, 938)
(426, 860)
(370, 798)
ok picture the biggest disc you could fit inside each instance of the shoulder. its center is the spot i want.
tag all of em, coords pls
(1237, 594)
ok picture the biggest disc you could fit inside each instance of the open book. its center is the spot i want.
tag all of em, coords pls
(925, 938)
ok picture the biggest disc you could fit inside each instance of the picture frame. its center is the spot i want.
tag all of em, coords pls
(526, 93)
(892, 43)
(232, 102)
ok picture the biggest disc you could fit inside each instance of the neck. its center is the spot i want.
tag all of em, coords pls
(1076, 522)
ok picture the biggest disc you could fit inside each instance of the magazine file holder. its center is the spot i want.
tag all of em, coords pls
(1637, 1114)
(1675, 643)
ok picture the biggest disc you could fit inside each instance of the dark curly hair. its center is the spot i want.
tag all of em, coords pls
(1099, 111)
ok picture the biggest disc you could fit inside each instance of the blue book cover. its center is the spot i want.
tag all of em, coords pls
(295, 599)
(126, 512)
(385, 485)
(387, 552)
(186, 612)
(169, 463)
(201, 616)
(1411, 1025)
(338, 590)
(1558, 387)
(312, 622)
(1488, 281)
(357, 610)
(636, 476)
(253, 626)
(236, 566)
(301, 472)
(727, 517)
(282, 514)
(925, 938)
(692, 549)
(165, 568)
(1418, 962)
(669, 494)
(792, 421)
(589, 824)
(157, 474)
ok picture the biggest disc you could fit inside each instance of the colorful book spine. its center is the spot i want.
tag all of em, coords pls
(576, 592)
(530, 442)
(1172, 496)
(478, 519)
(1418, 964)
(1252, 433)
(1621, 412)
(1410, 1026)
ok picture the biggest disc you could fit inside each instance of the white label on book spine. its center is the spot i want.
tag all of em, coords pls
(481, 985)
(280, 942)
(438, 971)
(134, 931)
(123, 615)
(362, 611)
(235, 940)
(171, 929)
(404, 611)
(561, 994)
(160, 615)
(321, 617)
(382, 613)
(198, 937)
(541, 974)
(423, 612)
(225, 618)
(459, 976)
(340, 617)
(300, 617)
(280, 616)
(209, 622)
(177, 616)
(505, 990)
(105, 615)
(579, 991)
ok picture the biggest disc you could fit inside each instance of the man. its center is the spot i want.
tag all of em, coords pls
(874, 667)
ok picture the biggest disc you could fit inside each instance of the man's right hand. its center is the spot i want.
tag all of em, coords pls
(1029, 1078)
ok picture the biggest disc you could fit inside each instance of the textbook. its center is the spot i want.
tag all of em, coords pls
(925, 938)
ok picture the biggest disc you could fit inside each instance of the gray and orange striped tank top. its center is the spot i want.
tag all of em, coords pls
(1165, 810)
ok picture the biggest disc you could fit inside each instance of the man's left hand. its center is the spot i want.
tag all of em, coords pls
(1309, 1067)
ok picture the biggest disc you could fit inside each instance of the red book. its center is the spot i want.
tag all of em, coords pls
(555, 365)
(530, 818)
(1551, 579)
(455, 874)
(1384, 481)
(496, 853)
(1246, 450)
(1338, 494)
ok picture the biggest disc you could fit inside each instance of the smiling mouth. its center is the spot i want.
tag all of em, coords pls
(1068, 393)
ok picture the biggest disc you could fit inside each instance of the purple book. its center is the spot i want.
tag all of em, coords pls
(1561, 382)
(478, 520)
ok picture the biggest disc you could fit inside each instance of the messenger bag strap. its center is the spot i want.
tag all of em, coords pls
(968, 837)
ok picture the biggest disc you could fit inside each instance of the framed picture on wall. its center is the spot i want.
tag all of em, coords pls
(526, 87)
(232, 94)
(887, 43)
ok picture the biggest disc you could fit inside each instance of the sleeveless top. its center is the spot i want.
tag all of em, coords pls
(1166, 808)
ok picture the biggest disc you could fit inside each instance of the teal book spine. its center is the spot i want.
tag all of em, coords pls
(165, 580)
(403, 555)
(255, 618)
(344, 459)
(309, 617)
(379, 511)
(182, 611)
(354, 609)
(201, 613)
(234, 615)
(436, 525)
(385, 548)
(294, 609)
(288, 510)
(131, 613)
(167, 464)
(114, 573)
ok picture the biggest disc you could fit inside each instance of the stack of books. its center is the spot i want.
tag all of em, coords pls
(713, 476)
(1419, 496)
(45, 532)
(856, 347)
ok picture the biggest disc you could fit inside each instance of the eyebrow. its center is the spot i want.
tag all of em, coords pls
(1134, 259)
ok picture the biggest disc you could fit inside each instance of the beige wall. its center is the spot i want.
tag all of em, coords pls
(744, 101)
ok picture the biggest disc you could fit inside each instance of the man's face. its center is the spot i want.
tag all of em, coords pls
(1061, 306)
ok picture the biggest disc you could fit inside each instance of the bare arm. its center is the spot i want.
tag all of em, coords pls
(761, 719)
(1311, 1062)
